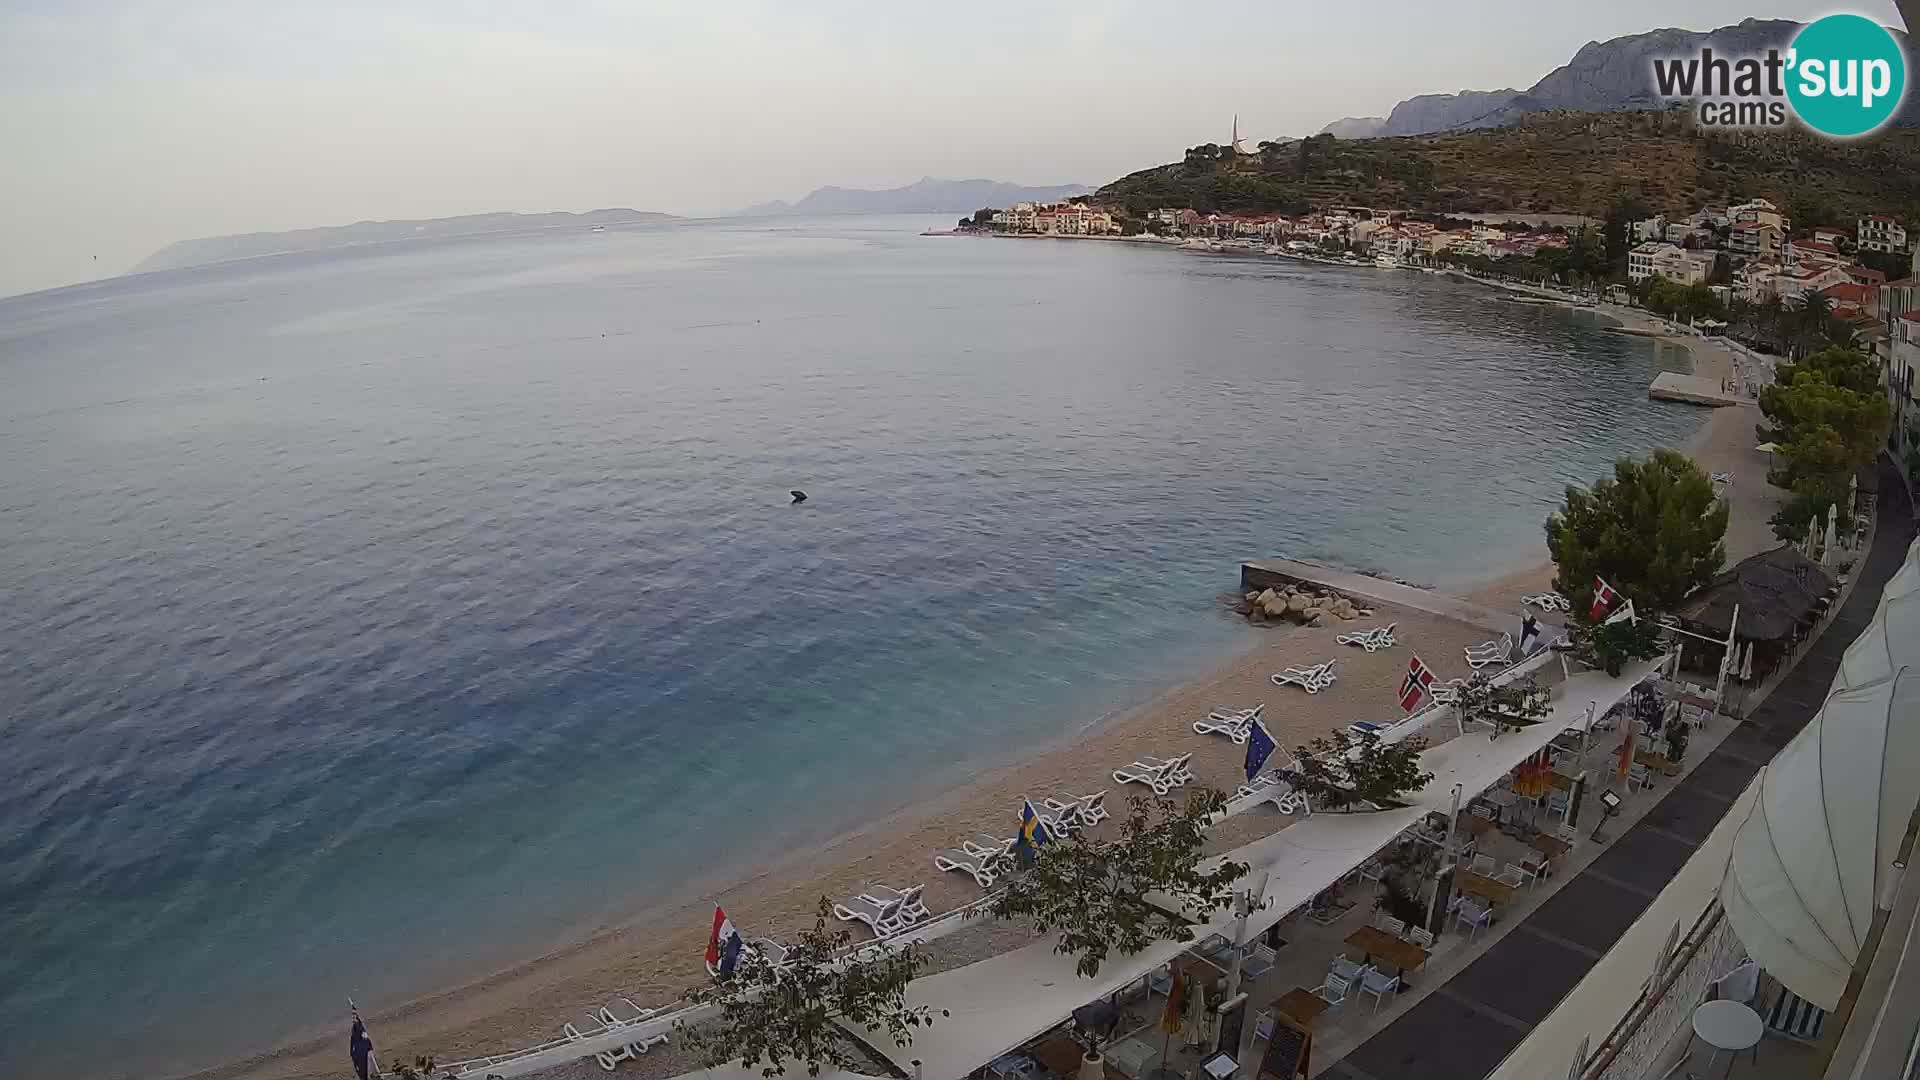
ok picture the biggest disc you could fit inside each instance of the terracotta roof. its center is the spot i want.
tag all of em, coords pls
(1849, 292)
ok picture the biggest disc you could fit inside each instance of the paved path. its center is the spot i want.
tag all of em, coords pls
(1463, 1030)
(1387, 592)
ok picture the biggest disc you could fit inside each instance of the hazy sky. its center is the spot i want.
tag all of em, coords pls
(128, 124)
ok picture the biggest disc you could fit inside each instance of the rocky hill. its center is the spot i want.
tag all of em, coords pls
(1604, 76)
(1561, 162)
(928, 195)
(214, 249)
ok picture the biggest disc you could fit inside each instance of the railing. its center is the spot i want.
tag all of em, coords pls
(1633, 1049)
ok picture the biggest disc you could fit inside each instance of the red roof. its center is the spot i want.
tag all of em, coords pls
(1820, 246)
(1911, 316)
(1865, 274)
(1848, 292)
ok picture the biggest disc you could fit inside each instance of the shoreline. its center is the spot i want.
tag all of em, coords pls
(652, 954)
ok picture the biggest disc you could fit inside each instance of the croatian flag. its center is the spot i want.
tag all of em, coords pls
(1417, 687)
(1259, 749)
(723, 945)
(1603, 598)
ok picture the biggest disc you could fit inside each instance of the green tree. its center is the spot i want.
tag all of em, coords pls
(1610, 647)
(770, 1016)
(1357, 771)
(1654, 531)
(1095, 894)
(1506, 708)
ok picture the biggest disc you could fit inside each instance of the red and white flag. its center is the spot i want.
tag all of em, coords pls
(723, 945)
(1417, 688)
(1603, 599)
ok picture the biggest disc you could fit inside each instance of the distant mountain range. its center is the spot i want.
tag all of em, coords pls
(1604, 76)
(927, 195)
(214, 249)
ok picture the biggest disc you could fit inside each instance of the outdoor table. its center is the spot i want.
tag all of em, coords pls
(1728, 1026)
(1405, 956)
(1482, 886)
(1480, 826)
(1301, 1005)
(1551, 846)
(1060, 1055)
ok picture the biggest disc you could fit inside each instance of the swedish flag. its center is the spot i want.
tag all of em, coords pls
(1033, 834)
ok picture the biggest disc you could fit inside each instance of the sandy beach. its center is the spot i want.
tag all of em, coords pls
(656, 955)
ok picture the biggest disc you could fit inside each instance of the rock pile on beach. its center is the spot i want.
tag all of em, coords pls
(1308, 607)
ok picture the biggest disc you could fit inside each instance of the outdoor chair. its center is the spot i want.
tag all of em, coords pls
(1474, 918)
(1639, 776)
(1371, 870)
(1380, 985)
(1333, 991)
(1557, 802)
(982, 869)
(1482, 865)
(1511, 875)
(1391, 925)
(1421, 936)
(1343, 968)
(1492, 652)
(1259, 961)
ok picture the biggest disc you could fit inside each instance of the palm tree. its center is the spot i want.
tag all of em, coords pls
(1770, 322)
(1810, 319)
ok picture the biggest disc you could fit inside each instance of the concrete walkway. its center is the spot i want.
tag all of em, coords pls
(1260, 573)
(1463, 1030)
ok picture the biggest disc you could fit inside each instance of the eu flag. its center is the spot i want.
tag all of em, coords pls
(1033, 835)
(1259, 749)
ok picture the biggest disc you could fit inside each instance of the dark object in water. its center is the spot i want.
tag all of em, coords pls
(798, 496)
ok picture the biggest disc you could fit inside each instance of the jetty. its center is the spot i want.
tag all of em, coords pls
(1279, 573)
(1694, 390)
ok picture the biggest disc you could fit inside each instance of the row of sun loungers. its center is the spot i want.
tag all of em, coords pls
(1547, 601)
(1235, 724)
(1491, 652)
(621, 1012)
(766, 948)
(1162, 775)
(1380, 637)
(1311, 679)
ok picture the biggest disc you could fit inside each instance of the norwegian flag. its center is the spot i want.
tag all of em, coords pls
(1417, 687)
(1603, 599)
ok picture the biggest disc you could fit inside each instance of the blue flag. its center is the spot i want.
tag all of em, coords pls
(1259, 749)
(1033, 835)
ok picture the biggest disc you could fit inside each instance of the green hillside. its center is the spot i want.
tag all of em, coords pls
(1563, 162)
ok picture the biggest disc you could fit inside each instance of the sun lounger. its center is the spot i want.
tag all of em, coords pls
(1380, 637)
(1153, 772)
(983, 869)
(881, 918)
(912, 910)
(1235, 724)
(1084, 811)
(1448, 692)
(622, 1012)
(1492, 652)
(989, 847)
(1311, 679)
(1179, 769)
(593, 1026)
(1547, 601)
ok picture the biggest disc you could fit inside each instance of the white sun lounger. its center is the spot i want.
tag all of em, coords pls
(983, 869)
(620, 1013)
(882, 919)
(1235, 726)
(1161, 776)
(993, 847)
(1380, 637)
(1547, 601)
(1311, 679)
(912, 910)
(1448, 692)
(1085, 811)
(1492, 652)
(593, 1026)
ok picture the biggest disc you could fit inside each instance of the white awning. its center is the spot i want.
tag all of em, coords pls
(1818, 844)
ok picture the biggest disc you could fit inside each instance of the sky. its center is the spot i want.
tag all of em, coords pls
(126, 125)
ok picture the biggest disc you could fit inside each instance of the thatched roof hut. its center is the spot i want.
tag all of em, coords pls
(1776, 591)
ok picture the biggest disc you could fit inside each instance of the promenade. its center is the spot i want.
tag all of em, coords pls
(1464, 1029)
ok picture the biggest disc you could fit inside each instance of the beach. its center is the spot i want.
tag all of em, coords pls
(655, 955)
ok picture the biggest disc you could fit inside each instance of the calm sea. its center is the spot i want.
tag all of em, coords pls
(365, 611)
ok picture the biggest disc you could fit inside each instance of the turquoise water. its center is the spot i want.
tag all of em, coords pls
(370, 610)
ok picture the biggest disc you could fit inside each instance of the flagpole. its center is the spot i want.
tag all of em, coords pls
(1720, 685)
(1453, 817)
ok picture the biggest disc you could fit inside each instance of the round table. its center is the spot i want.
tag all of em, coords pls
(1729, 1026)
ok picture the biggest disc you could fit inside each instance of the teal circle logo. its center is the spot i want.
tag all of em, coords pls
(1846, 75)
